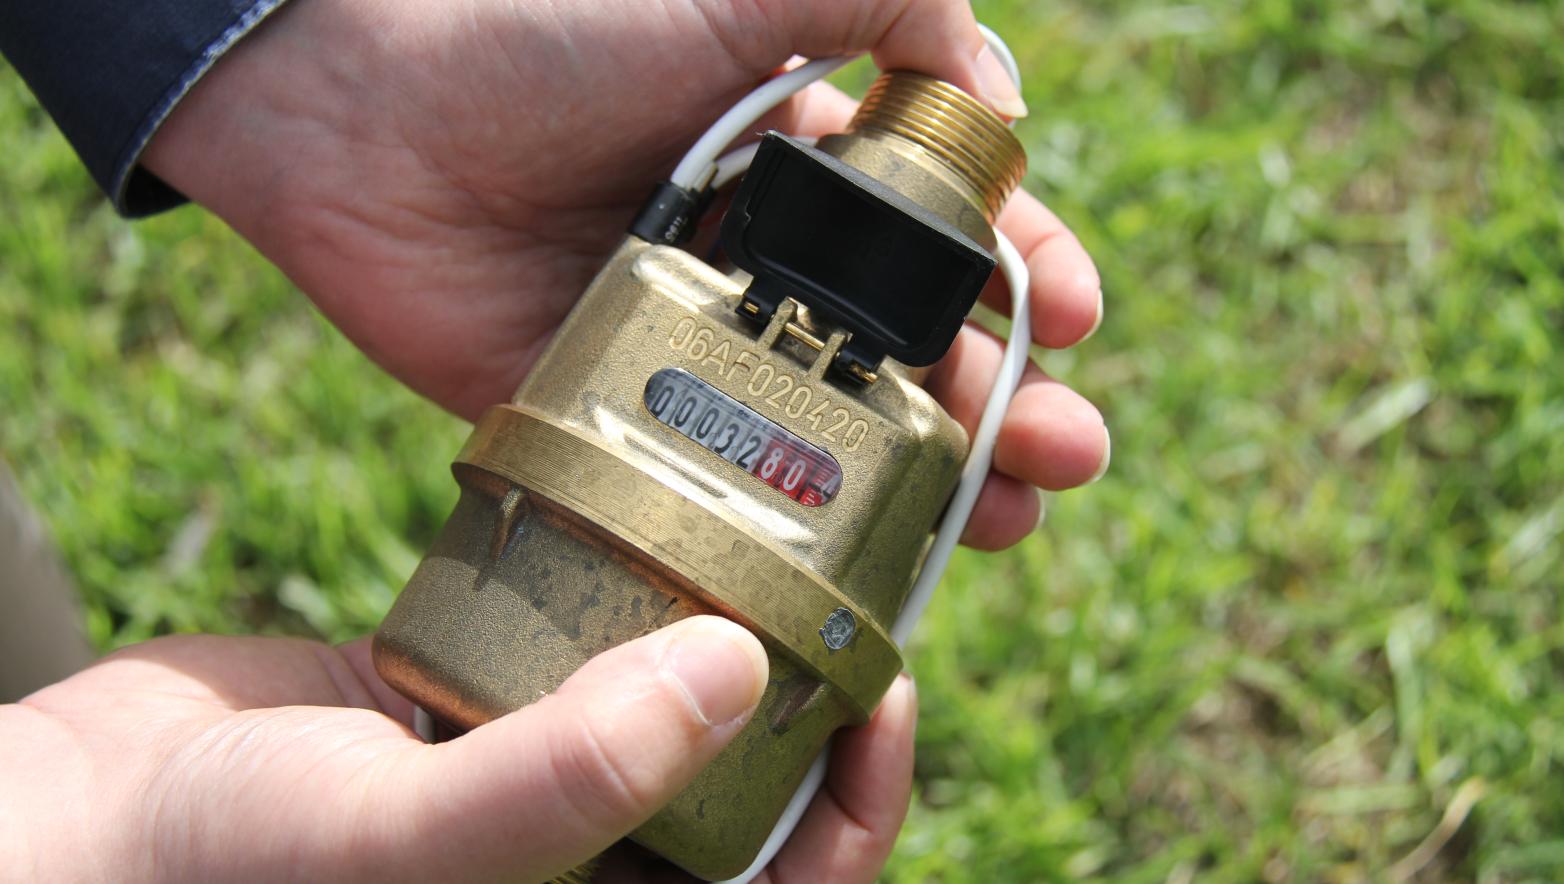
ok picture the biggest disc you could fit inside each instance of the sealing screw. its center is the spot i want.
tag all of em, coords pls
(839, 629)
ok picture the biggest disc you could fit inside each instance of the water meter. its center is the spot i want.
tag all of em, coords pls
(744, 437)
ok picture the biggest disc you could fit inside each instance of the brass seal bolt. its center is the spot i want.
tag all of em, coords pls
(966, 137)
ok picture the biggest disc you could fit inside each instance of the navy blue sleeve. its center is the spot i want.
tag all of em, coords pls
(110, 71)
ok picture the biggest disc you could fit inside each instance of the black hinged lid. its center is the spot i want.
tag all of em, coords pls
(812, 228)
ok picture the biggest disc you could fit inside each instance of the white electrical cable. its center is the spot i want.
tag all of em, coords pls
(697, 167)
(736, 162)
(699, 164)
(973, 475)
(975, 472)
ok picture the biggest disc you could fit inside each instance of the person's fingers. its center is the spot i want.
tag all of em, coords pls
(935, 37)
(962, 380)
(1007, 511)
(234, 673)
(545, 788)
(1052, 437)
(851, 826)
(1066, 289)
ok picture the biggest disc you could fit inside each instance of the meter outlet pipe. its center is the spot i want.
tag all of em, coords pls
(749, 440)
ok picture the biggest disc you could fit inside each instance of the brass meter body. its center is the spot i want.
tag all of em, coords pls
(744, 444)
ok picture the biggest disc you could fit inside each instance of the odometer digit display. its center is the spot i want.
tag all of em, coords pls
(729, 429)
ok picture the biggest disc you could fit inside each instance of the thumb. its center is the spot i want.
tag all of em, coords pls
(937, 37)
(552, 785)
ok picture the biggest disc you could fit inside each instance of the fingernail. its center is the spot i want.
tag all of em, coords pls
(1096, 323)
(1107, 456)
(996, 86)
(720, 667)
(1042, 511)
(907, 683)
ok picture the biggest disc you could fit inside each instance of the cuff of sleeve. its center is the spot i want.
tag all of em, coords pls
(136, 192)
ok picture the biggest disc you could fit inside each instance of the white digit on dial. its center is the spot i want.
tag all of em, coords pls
(795, 474)
(773, 461)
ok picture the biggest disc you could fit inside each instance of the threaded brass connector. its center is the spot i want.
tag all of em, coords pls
(968, 138)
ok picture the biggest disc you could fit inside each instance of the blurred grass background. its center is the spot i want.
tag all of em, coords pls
(1307, 629)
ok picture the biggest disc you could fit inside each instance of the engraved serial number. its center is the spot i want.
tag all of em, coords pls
(777, 390)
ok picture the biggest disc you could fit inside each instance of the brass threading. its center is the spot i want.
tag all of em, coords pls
(966, 137)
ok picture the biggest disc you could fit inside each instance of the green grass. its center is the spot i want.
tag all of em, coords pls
(1312, 611)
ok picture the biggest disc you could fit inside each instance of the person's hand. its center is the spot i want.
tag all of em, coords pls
(443, 179)
(247, 759)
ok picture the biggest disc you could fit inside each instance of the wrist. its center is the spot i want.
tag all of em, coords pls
(265, 111)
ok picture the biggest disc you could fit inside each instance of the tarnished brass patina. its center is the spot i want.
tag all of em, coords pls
(584, 522)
